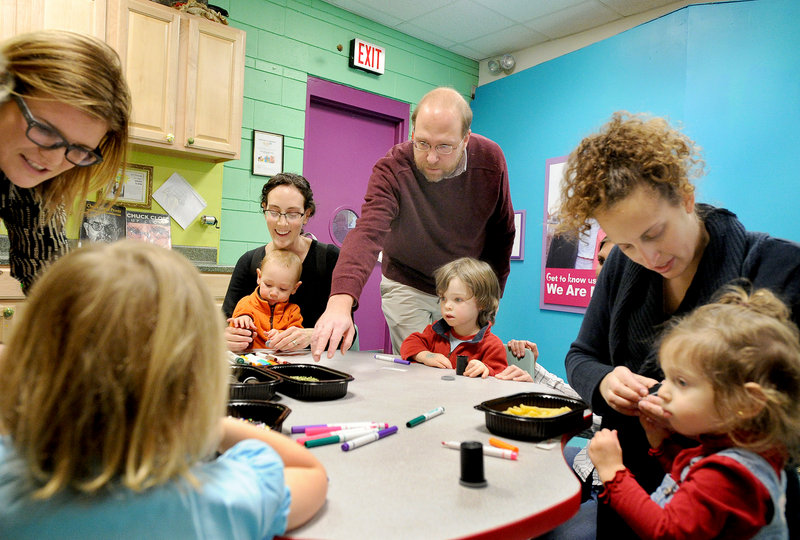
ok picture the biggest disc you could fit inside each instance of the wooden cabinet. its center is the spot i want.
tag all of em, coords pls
(11, 296)
(186, 76)
(82, 16)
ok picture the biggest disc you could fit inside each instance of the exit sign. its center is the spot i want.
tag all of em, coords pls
(367, 56)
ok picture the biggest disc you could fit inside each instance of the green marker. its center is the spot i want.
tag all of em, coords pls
(340, 437)
(427, 416)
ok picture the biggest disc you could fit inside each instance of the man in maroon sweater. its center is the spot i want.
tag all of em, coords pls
(441, 196)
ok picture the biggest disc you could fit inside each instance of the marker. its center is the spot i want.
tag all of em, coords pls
(366, 439)
(365, 429)
(328, 429)
(654, 389)
(487, 450)
(343, 436)
(390, 358)
(497, 443)
(426, 416)
(338, 425)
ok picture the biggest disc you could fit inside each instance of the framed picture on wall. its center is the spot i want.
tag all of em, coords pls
(267, 153)
(136, 187)
(518, 250)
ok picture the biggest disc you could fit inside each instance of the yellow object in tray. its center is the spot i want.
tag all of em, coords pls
(537, 412)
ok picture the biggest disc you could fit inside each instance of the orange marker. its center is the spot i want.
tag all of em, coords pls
(502, 444)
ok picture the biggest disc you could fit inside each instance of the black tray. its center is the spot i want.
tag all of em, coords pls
(523, 428)
(332, 383)
(263, 387)
(272, 414)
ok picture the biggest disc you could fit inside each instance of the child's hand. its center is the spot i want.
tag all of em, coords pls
(433, 360)
(606, 454)
(654, 427)
(518, 346)
(476, 368)
(243, 321)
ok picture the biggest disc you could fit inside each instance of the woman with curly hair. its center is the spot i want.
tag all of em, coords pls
(635, 178)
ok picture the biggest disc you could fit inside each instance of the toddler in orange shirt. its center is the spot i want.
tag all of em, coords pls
(268, 310)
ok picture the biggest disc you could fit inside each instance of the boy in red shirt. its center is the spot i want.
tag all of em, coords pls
(469, 294)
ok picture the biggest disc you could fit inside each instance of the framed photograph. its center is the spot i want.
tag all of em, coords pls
(267, 153)
(518, 250)
(137, 186)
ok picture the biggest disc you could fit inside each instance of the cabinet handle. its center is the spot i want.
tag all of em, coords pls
(190, 140)
(170, 137)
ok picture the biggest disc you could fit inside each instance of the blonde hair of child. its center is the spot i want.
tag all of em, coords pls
(747, 338)
(115, 371)
(479, 278)
(283, 258)
(85, 73)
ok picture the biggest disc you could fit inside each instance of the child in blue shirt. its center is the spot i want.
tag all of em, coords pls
(112, 406)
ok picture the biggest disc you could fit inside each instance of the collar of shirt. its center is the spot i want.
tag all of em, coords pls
(461, 167)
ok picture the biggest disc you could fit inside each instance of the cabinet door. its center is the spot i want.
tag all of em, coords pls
(149, 52)
(82, 16)
(214, 86)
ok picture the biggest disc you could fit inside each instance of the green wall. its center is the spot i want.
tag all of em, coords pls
(288, 40)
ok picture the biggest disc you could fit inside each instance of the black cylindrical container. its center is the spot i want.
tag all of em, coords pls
(472, 465)
(461, 363)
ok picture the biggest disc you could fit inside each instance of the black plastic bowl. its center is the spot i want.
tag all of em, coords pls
(266, 412)
(524, 428)
(252, 383)
(332, 383)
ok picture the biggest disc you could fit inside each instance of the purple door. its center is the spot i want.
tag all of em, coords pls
(347, 131)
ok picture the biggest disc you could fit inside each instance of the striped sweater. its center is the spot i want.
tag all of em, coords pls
(31, 245)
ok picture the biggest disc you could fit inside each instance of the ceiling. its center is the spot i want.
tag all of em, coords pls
(480, 29)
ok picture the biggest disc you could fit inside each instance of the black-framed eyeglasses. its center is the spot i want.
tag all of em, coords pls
(441, 149)
(48, 138)
(290, 216)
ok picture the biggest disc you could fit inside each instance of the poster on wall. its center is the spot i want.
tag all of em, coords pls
(568, 276)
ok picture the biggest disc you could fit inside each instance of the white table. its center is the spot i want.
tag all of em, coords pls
(407, 485)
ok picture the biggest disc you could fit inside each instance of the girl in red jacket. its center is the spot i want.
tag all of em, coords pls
(732, 383)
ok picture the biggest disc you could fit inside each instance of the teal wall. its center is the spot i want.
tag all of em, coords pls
(287, 40)
(729, 72)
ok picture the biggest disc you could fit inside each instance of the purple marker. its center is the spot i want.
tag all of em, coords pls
(366, 439)
(390, 358)
(302, 429)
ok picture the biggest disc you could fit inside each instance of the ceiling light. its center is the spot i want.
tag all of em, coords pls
(504, 64)
(507, 62)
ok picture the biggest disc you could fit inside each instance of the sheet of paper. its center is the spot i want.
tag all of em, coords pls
(179, 199)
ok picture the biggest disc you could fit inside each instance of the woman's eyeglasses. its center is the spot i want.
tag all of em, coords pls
(48, 138)
(290, 216)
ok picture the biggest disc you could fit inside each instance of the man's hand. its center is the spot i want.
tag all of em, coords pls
(335, 325)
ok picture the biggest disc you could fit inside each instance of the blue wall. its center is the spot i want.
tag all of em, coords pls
(729, 73)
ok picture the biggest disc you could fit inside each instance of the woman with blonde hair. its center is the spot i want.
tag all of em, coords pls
(112, 405)
(64, 111)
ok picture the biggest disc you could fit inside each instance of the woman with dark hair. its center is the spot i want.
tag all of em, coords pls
(288, 203)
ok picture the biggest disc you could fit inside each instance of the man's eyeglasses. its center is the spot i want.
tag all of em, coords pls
(48, 138)
(290, 216)
(441, 149)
